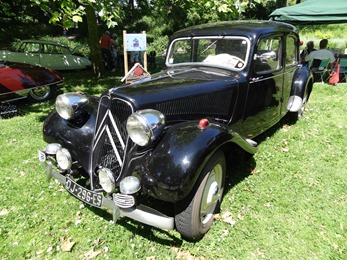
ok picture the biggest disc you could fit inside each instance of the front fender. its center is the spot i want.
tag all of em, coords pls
(175, 165)
(76, 136)
(300, 89)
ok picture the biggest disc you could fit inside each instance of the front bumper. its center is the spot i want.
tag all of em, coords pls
(139, 213)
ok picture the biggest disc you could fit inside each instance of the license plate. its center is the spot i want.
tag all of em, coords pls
(87, 196)
(42, 156)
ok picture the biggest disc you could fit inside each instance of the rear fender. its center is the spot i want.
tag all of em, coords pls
(175, 165)
(300, 90)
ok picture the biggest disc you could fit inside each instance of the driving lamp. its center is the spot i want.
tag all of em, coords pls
(129, 185)
(145, 126)
(52, 148)
(68, 104)
(106, 180)
(64, 159)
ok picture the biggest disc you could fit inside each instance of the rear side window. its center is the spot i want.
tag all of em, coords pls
(52, 49)
(291, 51)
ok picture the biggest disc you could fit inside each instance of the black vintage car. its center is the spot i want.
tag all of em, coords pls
(167, 139)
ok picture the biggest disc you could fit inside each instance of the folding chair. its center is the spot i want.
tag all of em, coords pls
(343, 68)
(320, 69)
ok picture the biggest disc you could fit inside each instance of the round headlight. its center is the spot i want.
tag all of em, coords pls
(129, 185)
(106, 180)
(52, 148)
(68, 103)
(64, 159)
(145, 126)
(63, 107)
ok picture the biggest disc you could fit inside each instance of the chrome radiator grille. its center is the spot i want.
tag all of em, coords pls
(111, 138)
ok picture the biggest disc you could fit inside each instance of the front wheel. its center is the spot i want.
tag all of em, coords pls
(41, 94)
(194, 216)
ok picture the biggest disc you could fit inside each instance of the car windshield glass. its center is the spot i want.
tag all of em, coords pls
(222, 51)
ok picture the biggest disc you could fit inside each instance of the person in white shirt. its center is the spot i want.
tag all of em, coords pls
(322, 54)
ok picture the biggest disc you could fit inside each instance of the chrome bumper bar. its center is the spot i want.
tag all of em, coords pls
(139, 213)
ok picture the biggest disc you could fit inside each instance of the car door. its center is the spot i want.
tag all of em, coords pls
(291, 63)
(53, 57)
(265, 89)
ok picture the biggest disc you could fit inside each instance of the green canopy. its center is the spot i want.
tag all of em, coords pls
(312, 12)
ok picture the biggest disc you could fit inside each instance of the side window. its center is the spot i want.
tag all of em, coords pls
(268, 56)
(30, 47)
(291, 51)
(52, 49)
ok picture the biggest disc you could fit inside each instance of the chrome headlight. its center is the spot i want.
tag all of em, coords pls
(52, 148)
(129, 185)
(106, 180)
(64, 159)
(67, 104)
(145, 126)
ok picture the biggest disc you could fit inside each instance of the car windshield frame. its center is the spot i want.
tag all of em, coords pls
(203, 51)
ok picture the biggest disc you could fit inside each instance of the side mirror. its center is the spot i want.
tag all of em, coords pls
(264, 57)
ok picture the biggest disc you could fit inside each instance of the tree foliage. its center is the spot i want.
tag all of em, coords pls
(159, 18)
(70, 12)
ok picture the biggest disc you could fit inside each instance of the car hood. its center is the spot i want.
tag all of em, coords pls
(19, 76)
(175, 84)
(185, 93)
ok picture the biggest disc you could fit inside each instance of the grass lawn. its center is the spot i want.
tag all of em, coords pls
(288, 202)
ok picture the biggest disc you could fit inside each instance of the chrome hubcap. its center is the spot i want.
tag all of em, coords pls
(40, 93)
(211, 194)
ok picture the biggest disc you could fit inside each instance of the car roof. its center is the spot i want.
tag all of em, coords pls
(240, 28)
(44, 42)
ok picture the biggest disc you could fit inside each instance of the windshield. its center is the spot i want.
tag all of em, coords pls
(222, 51)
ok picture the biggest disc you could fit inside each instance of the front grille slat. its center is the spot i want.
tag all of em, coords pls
(217, 104)
(111, 137)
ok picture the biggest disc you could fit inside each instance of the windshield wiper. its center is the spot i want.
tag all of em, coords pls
(213, 43)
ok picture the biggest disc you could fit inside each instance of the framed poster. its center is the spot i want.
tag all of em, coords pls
(136, 42)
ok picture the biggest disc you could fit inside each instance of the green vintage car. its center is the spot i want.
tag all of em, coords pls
(46, 54)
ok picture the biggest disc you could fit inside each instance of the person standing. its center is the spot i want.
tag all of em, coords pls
(114, 49)
(106, 47)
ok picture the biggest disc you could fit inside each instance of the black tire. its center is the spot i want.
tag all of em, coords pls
(42, 94)
(194, 216)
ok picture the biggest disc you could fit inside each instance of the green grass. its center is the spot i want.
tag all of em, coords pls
(288, 202)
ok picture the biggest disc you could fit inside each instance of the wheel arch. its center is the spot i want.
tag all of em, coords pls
(301, 88)
(174, 167)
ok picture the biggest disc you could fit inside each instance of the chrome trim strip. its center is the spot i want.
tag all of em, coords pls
(114, 146)
(116, 129)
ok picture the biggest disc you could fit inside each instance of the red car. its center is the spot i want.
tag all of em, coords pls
(19, 81)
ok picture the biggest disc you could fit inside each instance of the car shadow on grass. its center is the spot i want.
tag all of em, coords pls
(164, 237)
(243, 165)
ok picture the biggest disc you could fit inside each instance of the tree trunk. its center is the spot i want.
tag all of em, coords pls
(93, 40)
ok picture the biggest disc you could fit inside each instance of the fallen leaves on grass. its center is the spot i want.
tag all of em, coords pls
(225, 217)
(4, 212)
(66, 244)
(92, 254)
(184, 254)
